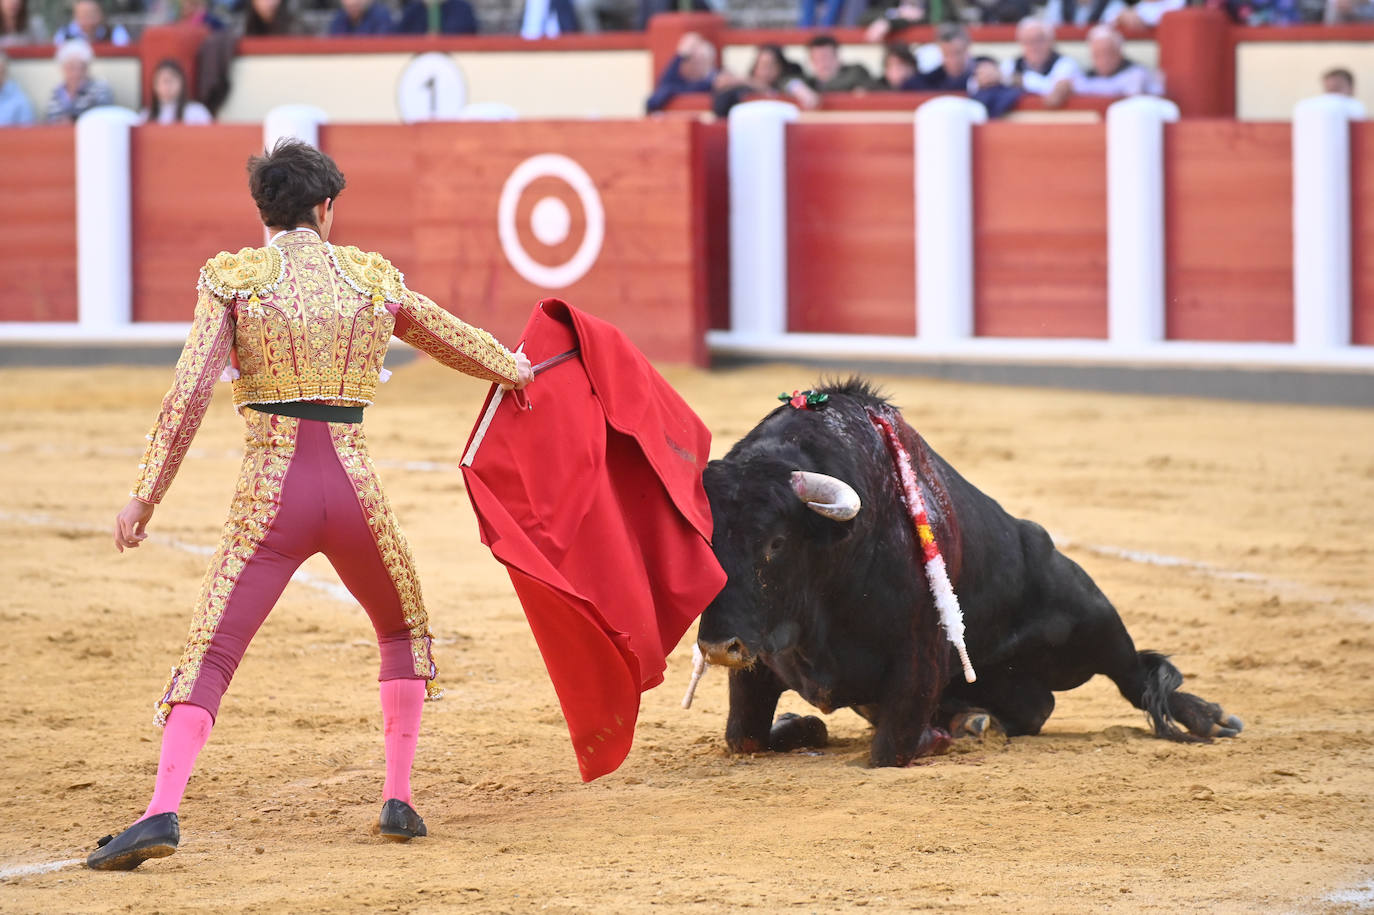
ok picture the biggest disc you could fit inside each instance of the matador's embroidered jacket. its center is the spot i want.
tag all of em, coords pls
(305, 320)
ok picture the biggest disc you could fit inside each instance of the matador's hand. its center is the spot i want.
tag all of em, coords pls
(524, 372)
(131, 524)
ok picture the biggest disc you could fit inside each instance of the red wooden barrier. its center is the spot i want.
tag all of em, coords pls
(850, 236)
(714, 162)
(1040, 230)
(1228, 231)
(38, 224)
(1362, 232)
(1198, 59)
(428, 195)
(190, 201)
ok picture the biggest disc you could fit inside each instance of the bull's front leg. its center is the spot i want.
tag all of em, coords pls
(754, 694)
(904, 728)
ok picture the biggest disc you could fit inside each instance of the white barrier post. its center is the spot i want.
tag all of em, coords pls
(944, 217)
(104, 221)
(1135, 219)
(299, 121)
(758, 217)
(1321, 220)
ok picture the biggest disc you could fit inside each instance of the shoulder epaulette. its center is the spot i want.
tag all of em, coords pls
(248, 274)
(369, 273)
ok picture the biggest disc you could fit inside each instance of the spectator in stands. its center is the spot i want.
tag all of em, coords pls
(1083, 12)
(989, 90)
(198, 12)
(955, 72)
(905, 14)
(15, 110)
(88, 24)
(1040, 70)
(1147, 13)
(828, 74)
(548, 19)
(991, 12)
(1346, 11)
(20, 26)
(836, 12)
(1112, 73)
(361, 17)
(437, 17)
(648, 9)
(692, 69)
(269, 17)
(899, 70)
(771, 75)
(170, 104)
(1338, 81)
(78, 92)
(774, 74)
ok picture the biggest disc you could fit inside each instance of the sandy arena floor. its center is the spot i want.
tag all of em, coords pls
(1267, 611)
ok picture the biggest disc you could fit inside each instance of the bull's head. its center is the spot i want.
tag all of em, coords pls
(770, 520)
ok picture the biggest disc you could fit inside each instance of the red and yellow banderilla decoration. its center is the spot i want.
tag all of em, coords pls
(946, 602)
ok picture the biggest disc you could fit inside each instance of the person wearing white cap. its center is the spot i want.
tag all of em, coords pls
(78, 92)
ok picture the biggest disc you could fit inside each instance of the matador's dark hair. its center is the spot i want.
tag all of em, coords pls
(290, 181)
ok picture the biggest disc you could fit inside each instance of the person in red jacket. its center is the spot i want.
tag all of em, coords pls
(304, 327)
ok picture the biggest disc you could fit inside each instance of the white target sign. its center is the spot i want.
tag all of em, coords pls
(550, 220)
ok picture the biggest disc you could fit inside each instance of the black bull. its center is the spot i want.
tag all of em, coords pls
(841, 611)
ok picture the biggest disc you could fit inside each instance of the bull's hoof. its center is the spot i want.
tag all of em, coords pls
(746, 746)
(977, 723)
(793, 732)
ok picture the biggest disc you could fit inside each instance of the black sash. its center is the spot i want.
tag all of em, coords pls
(325, 413)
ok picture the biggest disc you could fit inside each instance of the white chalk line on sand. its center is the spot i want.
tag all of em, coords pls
(1292, 589)
(200, 454)
(16, 871)
(1360, 896)
(333, 589)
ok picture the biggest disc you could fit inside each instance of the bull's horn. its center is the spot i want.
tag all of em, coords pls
(830, 497)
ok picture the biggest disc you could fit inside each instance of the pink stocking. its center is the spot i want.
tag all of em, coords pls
(402, 703)
(188, 727)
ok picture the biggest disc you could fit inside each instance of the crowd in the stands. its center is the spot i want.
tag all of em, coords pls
(946, 65)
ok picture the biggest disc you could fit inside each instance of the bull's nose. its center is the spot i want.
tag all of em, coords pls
(732, 653)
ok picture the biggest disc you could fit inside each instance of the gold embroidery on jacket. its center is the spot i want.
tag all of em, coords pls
(269, 443)
(202, 358)
(351, 446)
(453, 342)
(312, 336)
(307, 321)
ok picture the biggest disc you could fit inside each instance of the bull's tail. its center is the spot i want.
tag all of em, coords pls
(1170, 711)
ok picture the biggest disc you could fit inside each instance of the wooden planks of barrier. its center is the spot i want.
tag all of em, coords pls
(1228, 231)
(1362, 232)
(850, 235)
(38, 224)
(190, 201)
(429, 197)
(1040, 230)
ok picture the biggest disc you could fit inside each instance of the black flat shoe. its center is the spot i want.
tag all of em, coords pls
(155, 837)
(399, 822)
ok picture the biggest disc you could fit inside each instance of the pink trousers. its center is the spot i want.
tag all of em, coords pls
(306, 487)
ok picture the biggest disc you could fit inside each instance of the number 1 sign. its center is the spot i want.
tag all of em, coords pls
(432, 88)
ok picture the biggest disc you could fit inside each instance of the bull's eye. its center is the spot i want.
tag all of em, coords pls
(775, 546)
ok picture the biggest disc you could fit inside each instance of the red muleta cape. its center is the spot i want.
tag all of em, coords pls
(592, 499)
